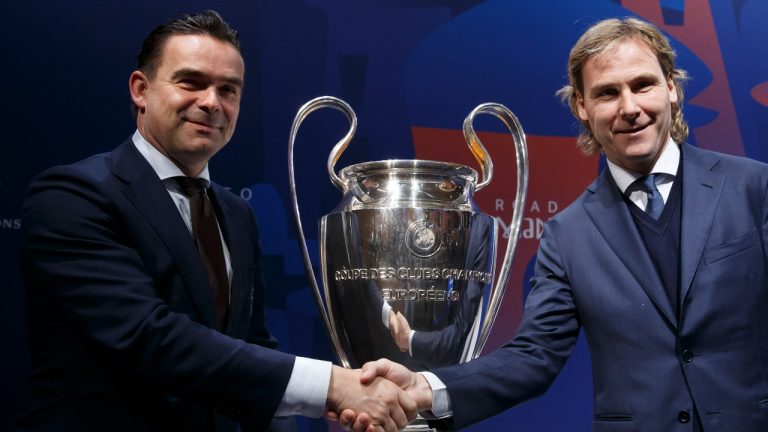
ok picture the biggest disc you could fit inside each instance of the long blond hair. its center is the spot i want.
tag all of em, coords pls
(598, 39)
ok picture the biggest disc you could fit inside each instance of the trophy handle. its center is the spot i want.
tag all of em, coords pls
(304, 111)
(482, 156)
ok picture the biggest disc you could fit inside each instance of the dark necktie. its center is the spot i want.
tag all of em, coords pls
(655, 201)
(208, 239)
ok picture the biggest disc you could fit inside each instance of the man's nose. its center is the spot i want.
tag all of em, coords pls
(628, 107)
(209, 100)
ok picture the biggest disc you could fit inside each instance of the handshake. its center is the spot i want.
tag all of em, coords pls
(381, 396)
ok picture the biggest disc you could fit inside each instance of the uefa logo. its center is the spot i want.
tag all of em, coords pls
(422, 239)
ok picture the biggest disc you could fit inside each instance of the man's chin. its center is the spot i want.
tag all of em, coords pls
(198, 149)
(641, 149)
(204, 143)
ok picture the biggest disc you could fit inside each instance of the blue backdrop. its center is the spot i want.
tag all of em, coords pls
(412, 69)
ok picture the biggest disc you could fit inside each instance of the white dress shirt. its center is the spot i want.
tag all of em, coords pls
(665, 168)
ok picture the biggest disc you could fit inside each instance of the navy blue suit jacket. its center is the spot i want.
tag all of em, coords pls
(649, 364)
(122, 323)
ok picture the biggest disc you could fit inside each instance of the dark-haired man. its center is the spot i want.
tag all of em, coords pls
(144, 277)
(661, 261)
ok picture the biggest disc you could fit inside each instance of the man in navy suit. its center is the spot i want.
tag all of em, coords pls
(127, 329)
(661, 261)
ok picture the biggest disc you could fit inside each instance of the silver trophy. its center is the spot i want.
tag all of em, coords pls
(407, 258)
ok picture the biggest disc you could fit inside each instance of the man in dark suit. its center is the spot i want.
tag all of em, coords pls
(144, 277)
(661, 261)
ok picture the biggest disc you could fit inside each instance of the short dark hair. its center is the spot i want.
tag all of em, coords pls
(208, 23)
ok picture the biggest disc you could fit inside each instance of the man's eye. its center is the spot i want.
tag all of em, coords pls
(229, 91)
(605, 93)
(188, 83)
(644, 86)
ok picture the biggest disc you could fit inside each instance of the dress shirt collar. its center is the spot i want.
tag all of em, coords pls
(666, 164)
(164, 167)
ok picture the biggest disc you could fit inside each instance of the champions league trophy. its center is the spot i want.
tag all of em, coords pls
(408, 243)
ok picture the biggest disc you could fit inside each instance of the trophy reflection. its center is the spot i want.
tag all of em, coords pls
(406, 258)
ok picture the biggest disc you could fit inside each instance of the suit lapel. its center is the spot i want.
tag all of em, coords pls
(702, 188)
(612, 218)
(150, 197)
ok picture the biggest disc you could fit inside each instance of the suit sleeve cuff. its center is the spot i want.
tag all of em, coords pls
(307, 389)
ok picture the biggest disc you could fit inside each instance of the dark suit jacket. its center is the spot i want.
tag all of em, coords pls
(122, 324)
(593, 271)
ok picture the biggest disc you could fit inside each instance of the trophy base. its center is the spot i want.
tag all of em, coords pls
(419, 425)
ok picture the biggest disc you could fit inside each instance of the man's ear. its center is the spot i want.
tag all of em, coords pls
(139, 86)
(580, 107)
(672, 90)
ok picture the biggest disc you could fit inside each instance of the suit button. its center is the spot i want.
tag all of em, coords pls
(687, 356)
(683, 416)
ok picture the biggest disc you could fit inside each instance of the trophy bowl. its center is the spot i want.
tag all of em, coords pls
(407, 258)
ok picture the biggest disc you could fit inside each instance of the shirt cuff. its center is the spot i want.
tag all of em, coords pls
(385, 309)
(307, 389)
(410, 342)
(441, 402)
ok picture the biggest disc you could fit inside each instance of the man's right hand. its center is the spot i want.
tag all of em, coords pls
(384, 405)
(413, 384)
(400, 329)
